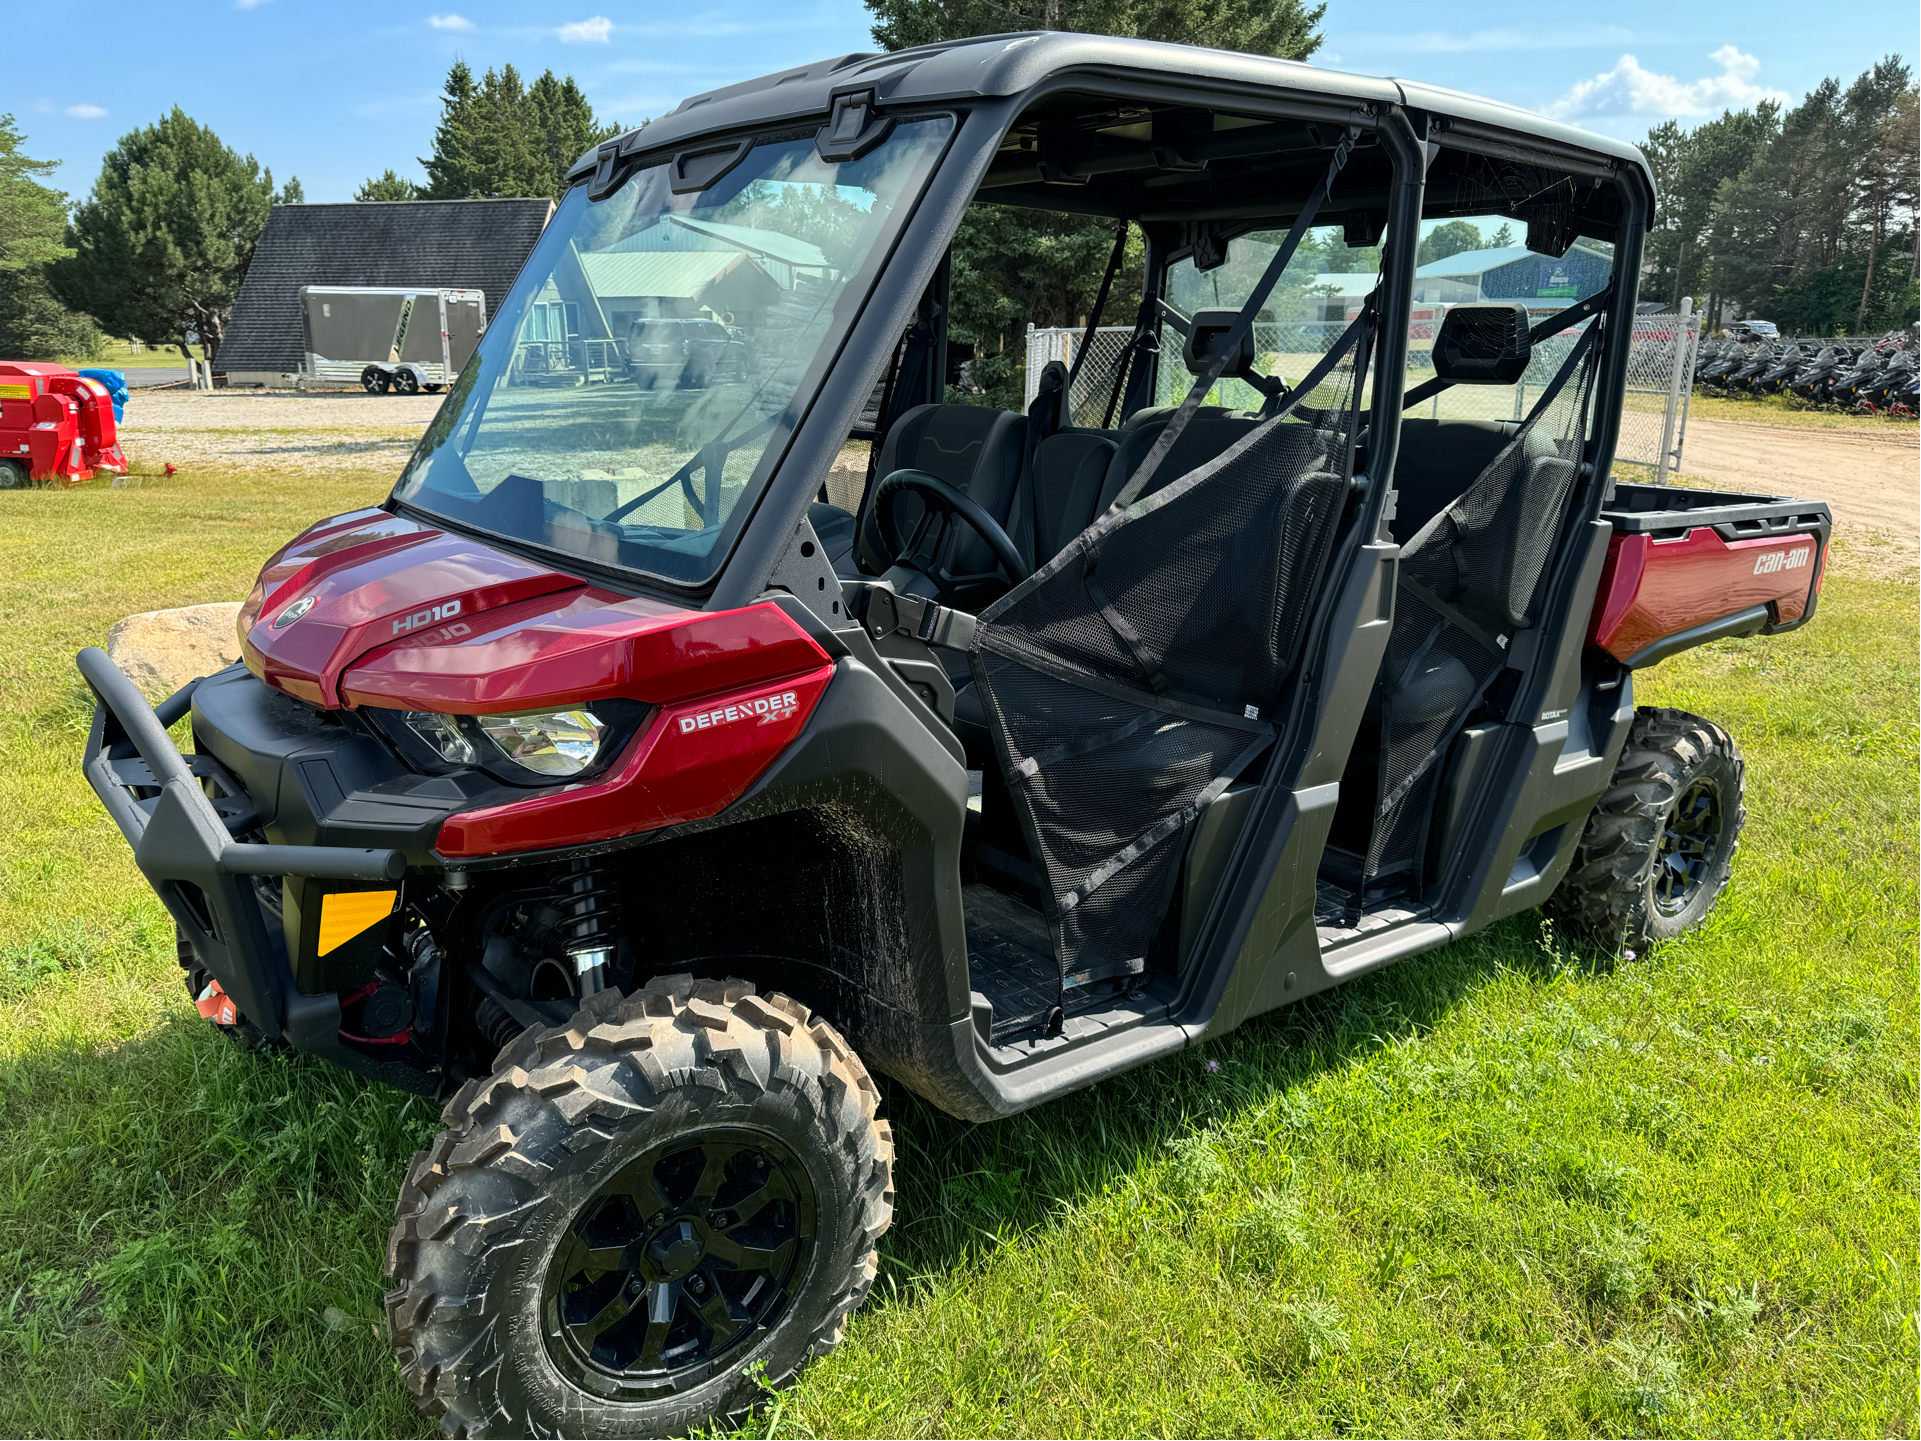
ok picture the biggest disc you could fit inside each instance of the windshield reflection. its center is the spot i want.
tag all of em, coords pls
(643, 373)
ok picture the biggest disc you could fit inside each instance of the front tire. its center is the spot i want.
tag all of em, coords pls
(1656, 852)
(639, 1217)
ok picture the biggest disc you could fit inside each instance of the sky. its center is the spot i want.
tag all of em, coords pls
(335, 93)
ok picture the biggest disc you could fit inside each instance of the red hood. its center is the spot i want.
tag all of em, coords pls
(407, 616)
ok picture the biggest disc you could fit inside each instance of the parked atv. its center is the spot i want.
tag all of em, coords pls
(609, 784)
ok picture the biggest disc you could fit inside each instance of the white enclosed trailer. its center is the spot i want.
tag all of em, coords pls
(406, 338)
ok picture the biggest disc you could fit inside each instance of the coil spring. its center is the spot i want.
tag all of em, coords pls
(587, 897)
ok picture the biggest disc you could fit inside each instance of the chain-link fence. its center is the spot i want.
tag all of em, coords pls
(1654, 414)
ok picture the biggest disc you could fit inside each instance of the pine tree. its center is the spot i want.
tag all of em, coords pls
(1012, 267)
(33, 324)
(387, 186)
(164, 239)
(500, 137)
(1283, 28)
(452, 170)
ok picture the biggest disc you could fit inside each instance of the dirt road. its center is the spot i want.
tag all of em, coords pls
(1871, 482)
(275, 430)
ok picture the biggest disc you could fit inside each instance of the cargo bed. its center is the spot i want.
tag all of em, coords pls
(1685, 567)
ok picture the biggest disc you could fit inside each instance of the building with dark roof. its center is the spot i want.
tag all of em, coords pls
(448, 244)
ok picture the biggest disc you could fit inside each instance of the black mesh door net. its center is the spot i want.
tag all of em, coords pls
(1133, 677)
(1469, 580)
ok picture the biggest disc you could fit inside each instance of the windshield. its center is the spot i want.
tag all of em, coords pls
(1321, 290)
(656, 351)
(1462, 261)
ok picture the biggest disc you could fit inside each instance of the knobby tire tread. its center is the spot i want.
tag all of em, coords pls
(1604, 898)
(616, 1061)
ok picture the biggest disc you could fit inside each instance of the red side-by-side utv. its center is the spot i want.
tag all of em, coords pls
(637, 785)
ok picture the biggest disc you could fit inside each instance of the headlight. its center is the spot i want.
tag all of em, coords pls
(549, 743)
(443, 735)
(529, 749)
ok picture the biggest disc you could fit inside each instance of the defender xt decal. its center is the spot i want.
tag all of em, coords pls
(768, 708)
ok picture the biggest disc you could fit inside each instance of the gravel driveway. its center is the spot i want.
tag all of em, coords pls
(322, 431)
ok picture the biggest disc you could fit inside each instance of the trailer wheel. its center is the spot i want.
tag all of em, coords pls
(406, 382)
(639, 1217)
(13, 476)
(1657, 849)
(374, 380)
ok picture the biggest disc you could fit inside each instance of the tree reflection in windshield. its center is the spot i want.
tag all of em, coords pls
(655, 350)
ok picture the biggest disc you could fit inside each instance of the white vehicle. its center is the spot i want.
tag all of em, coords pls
(404, 338)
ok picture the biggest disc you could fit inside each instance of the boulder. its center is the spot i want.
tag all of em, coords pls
(161, 650)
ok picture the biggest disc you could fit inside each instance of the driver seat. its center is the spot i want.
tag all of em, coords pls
(973, 448)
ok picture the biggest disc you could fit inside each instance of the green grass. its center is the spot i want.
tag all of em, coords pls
(1503, 1188)
(120, 355)
(1794, 414)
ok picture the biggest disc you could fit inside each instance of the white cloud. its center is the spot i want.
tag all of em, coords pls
(1628, 89)
(450, 22)
(84, 111)
(592, 32)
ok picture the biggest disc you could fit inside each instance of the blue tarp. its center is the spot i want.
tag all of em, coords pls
(116, 384)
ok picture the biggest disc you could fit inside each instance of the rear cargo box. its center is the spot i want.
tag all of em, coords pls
(1685, 567)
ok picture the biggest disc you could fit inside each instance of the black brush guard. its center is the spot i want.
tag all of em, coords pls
(183, 842)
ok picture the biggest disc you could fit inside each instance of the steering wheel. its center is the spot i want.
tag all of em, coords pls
(940, 497)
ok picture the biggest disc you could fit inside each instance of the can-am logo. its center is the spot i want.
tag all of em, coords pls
(1775, 560)
(427, 617)
(763, 708)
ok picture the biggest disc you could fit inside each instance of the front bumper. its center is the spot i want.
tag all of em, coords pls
(183, 840)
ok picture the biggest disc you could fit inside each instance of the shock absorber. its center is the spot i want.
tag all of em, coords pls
(588, 901)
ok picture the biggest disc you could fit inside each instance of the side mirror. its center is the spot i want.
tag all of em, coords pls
(1482, 345)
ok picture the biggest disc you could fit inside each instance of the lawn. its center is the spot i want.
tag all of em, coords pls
(1503, 1188)
(1794, 414)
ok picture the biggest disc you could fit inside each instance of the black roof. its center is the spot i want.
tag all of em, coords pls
(449, 244)
(986, 66)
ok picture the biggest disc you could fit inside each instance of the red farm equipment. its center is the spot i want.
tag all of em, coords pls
(55, 426)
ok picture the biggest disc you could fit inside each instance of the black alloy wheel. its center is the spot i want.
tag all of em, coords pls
(373, 380)
(1655, 854)
(686, 1254)
(1689, 843)
(642, 1219)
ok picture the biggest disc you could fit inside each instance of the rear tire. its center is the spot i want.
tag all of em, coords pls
(1656, 852)
(591, 1177)
(375, 381)
(13, 476)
